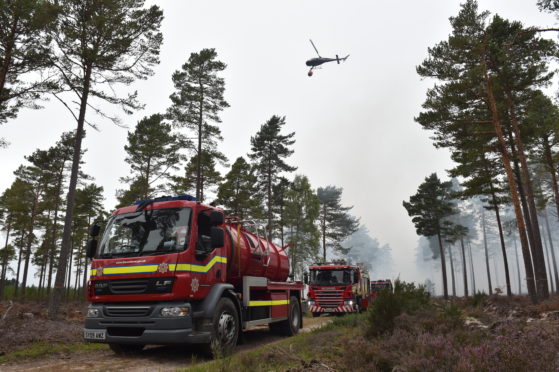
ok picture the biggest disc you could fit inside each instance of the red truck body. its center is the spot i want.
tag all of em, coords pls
(172, 270)
(337, 288)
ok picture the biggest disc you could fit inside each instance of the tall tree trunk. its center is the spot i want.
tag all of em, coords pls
(29, 244)
(464, 269)
(552, 249)
(510, 179)
(52, 250)
(69, 273)
(5, 262)
(546, 248)
(517, 266)
(472, 272)
(490, 286)
(452, 270)
(550, 165)
(537, 251)
(8, 52)
(501, 238)
(56, 298)
(270, 212)
(19, 263)
(443, 266)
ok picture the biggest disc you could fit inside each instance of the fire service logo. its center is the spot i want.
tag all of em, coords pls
(195, 285)
(163, 268)
(99, 271)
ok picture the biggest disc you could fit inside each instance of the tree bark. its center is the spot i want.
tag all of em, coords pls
(472, 272)
(443, 266)
(490, 286)
(452, 270)
(512, 184)
(537, 249)
(5, 262)
(502, 239)
(465, 271)
(56, 298)
(29, 243)
(552, 249)
(517, 267)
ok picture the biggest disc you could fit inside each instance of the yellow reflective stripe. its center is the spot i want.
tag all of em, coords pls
(268, 303)
(130, 269)
(201, 268)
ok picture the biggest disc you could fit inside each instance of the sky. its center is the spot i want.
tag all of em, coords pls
(354, 122)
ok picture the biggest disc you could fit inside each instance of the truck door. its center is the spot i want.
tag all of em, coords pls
(211, 263)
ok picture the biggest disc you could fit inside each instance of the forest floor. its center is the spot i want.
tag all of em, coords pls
(29, 341)
(494, 333)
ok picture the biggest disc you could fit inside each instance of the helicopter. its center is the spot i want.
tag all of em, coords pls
(314, 62)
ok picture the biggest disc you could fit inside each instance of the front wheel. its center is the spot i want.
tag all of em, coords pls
(225, 329)
(315, 315)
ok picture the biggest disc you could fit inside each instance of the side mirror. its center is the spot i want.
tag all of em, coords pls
(94, 230)
(306, 278)
(216, 218)
(91, 248)
(217, 237)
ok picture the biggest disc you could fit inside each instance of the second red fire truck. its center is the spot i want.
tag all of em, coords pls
(337, 288)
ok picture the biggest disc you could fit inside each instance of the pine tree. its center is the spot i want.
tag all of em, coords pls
(269, 148)
(196, 105)
(99, 44)
(429, 208)
(209, 178)
(336, 223)
(24, 49)
(238, 193)
(302, 209)
(152, 152)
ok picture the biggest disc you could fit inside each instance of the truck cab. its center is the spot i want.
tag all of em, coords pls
(336, 288)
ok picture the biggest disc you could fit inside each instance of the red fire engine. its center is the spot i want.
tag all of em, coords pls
(172, 270)
(337, 288)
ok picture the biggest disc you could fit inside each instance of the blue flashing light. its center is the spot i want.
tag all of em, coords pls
(167, 198)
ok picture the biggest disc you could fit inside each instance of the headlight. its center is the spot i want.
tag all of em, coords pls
(348, 302)
(175, 311)
(92, 313)
(310, 302)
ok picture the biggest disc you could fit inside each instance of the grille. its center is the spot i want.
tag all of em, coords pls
(128, 286)
(329, 298)
(127, 311)
(133, 286)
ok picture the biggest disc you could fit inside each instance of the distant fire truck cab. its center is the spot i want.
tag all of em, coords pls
(380, 285)
(337, 288)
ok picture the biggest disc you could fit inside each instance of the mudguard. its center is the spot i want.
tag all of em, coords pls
(208, 305)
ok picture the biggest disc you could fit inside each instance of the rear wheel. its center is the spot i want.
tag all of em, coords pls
(122, 349)
(290, 326)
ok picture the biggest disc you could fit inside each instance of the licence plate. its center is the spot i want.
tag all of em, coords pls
(329, 309)
(94, 335)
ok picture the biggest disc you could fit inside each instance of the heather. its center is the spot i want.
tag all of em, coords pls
(407, 330)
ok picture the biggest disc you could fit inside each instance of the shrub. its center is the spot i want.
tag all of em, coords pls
(388, 305)
(478, 299)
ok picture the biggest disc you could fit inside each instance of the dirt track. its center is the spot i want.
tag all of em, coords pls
(163, 358)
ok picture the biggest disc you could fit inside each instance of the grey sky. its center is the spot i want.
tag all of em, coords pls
(353, 122)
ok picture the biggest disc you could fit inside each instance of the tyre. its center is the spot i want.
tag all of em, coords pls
(225, 329)
(315, 315)
(290, 326)
(122, 349)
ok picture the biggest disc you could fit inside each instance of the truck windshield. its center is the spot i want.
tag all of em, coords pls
(330, 277)
(147, 232)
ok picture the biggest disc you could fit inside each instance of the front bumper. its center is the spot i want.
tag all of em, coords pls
(141, 323)
(337, 309)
